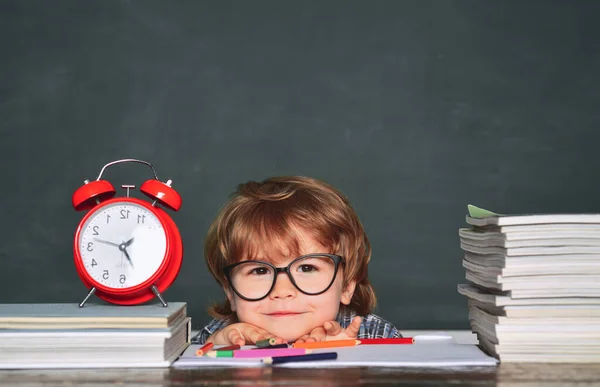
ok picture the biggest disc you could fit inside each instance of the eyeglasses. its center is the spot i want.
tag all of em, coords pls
(312, 274)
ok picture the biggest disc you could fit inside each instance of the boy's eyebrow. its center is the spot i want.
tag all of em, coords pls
(257, 259)
(263, 259)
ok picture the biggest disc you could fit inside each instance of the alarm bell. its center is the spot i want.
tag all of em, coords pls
(95, 192)
(163, 193)
(92, 193)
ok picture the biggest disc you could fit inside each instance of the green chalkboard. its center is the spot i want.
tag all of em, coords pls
(412, 108)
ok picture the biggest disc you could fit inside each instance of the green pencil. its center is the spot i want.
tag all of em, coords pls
(218, 353)
(265, 343)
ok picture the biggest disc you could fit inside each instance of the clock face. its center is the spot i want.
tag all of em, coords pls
(122, 244)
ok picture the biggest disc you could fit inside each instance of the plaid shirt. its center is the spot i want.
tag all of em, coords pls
(371, 327)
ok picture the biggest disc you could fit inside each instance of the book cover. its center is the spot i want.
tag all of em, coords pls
(92, 315)
(481, 217)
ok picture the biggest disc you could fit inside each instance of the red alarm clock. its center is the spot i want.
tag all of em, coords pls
(127, 250)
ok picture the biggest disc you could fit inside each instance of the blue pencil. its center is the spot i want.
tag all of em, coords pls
(308, 357)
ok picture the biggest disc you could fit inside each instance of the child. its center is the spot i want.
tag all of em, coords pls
(291, 255)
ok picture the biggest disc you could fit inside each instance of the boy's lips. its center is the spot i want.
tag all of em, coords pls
(283, 313)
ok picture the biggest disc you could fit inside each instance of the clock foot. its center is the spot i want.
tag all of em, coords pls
(92, 290)
(159, 296)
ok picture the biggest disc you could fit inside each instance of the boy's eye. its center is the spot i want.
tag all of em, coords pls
(259, 271)
(306, 268)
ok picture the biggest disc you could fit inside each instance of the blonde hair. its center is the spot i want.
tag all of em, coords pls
(264, 214)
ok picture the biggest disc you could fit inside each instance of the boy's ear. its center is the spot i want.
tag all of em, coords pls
(231, 298)
(348, 292)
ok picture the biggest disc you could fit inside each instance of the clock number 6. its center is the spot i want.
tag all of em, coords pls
(122, 278)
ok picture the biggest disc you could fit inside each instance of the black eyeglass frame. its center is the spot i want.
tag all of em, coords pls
(337, 259)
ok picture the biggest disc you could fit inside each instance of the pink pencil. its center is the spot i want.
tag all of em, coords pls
(269, 352)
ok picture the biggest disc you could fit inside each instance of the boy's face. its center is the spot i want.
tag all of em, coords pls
(287, 312)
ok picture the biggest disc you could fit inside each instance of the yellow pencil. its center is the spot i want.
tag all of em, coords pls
(327, 344)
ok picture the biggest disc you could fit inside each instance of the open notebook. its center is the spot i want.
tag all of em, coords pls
(435, 351)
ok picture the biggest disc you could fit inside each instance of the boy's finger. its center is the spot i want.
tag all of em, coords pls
(235, 337)
(255, 335)
(317, 334)
(333, 328)
(301, 339)
(354, 327)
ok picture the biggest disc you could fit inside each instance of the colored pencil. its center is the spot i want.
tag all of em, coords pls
(257, 353)
(205, 348)
(327, 344)
(309, 357)
(284, 345)
(398, 340)
(220, 354)
(266, 342)
(267, 352)
(228, 348)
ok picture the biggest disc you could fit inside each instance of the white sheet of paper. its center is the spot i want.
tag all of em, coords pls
(432, 351)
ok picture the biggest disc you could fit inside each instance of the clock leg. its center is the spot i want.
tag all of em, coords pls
(92, 290)
(159, 296)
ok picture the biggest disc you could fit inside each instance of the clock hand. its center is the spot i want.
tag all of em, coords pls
(106, 242)
(123, 249)
(128, 258)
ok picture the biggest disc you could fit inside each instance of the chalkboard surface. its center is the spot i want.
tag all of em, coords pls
(412, 108)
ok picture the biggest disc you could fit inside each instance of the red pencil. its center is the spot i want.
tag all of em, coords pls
(205, 348)
(399, 340)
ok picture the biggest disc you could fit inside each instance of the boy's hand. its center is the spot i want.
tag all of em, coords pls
(332, 330)
(241, 334)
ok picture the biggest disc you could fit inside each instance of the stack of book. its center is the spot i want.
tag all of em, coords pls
(534, 285)
(95, 336)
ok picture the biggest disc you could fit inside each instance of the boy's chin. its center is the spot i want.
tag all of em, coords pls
(289, 335)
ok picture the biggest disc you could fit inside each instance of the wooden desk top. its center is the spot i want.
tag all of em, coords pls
(503, 375)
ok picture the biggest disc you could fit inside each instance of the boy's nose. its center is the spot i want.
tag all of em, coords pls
(284, 288)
